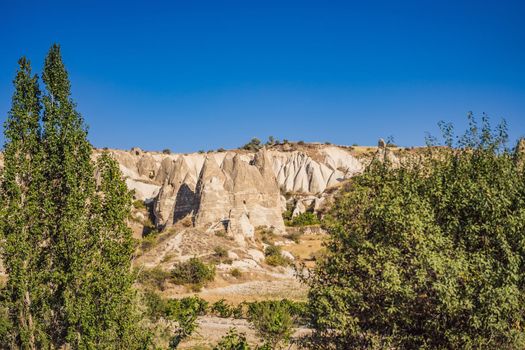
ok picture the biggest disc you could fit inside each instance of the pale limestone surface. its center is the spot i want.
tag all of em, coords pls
(234, 191)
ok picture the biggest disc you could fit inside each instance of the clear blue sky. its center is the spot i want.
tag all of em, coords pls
(190, 75)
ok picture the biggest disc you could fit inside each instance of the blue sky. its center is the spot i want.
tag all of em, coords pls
(190, 75)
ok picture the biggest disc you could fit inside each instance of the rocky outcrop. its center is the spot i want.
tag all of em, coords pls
(297, 172)
(237, 191)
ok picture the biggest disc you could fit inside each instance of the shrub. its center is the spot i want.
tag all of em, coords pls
(5, 328)
(239, 310)
(193, 271)
(166, 151)
(155, 305)
(274, 256)
(149, 241)
(254, 145)
(301, 143)
(233, 341)
(272, 321)
(221, 150)
(201, 151)
(271, 141)
(236, 273)
(177, 307)
(139, 204)
(184, 311)
(267, 234)
(429, 254)
(220, 252)
(304, 219)
(222, 309)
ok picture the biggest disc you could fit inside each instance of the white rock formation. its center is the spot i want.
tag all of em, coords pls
(236, 191)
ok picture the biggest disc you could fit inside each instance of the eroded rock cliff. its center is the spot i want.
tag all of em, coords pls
(236, 190)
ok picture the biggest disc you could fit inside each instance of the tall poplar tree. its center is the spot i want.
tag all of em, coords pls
(22, 233)
(91, 245)
(70, 185)
(111, 319)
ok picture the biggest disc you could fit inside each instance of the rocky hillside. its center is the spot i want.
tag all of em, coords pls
(238, 190)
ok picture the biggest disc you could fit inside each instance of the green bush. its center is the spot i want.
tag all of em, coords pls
(233, 341)
(155, 305)
(177, 307)
(5, 327)
(139, 204)
(254, 145)
(429, 254)
(267, 234)
(166, 151)
(221, 234)
(274, 257)
(193, 271)
(303, 219)
(239, 310)
(272, 321)
(185, 312)
(222, 309)
(149, 240)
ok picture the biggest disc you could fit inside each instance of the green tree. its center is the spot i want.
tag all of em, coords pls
(429, 254)
(109, 316)
(20, 224)
(90, 245)
(69, 174)
(273, 322)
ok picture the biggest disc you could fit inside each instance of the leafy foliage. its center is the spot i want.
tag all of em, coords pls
(303, 219)
(274, 256)
(254, 145)
(222, 309)
(66, 243)
(273, 322)
(193, 271)
(429, 254)
(233, 341)
(21, 226)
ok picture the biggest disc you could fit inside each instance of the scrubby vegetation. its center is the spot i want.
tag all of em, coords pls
(428, 254)
(233, 341)
(273, 321)
(194, 271)
(274, 256)
(254, 145)
(304, 219)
